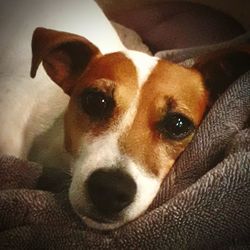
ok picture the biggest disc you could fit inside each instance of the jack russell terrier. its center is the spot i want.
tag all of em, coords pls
(118, 118)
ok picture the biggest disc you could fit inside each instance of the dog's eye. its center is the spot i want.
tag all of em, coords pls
(97, 104)
(175, 126)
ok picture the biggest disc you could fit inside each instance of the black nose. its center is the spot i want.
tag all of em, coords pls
(110, 190)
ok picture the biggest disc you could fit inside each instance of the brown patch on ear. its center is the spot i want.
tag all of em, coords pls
(64, 55)
(222, 68)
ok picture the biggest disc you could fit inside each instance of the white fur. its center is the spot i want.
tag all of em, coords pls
(144, 64)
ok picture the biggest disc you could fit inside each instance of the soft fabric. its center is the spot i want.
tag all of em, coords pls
(175, 25)
(187, 56)
(204, 202)
(130, 38)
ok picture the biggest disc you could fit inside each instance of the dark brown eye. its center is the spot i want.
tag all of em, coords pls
(175, 126)
(97, 104)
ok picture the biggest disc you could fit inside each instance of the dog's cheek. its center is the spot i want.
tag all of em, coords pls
(70, 146)
(73, 135)
(165, 157)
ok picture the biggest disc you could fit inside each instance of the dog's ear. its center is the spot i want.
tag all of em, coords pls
(221, 68)
(64, 56)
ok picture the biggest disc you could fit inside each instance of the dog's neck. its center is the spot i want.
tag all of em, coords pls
(48, 148)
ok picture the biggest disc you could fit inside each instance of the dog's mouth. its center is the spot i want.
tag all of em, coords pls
(109, 197)
(91, 213)
(102, 223)
(108, 194)
(95, 220)
(99, 219)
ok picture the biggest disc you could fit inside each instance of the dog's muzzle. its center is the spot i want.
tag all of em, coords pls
(110, 191)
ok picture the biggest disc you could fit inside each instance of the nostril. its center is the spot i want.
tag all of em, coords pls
(121, 201)
(122, 198)
(110, 190)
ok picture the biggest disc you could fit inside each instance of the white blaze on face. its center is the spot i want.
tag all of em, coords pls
(103, 152)
(144, 65)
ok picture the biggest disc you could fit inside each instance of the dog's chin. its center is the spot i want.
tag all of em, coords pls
(101, 225)
(100, 222)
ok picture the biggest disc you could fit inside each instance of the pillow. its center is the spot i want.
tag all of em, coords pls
(130, 38)
(175, 25)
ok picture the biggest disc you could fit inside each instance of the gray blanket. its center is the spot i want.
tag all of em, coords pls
(204, 202)
(188, 56)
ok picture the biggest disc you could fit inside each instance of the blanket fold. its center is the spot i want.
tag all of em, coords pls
(15, 173)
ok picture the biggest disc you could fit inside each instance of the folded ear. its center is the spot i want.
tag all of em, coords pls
(65, 56)
(223, 67)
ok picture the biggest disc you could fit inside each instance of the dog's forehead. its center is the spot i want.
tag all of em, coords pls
(124, 67)
(144, 65)
(151, 80)
(160, 80)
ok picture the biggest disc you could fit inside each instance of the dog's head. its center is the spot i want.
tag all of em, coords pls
(129, 117)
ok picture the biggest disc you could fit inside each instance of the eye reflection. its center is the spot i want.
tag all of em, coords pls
(97, 104)
(175, 126)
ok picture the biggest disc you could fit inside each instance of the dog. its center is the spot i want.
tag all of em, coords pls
(119, 118)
